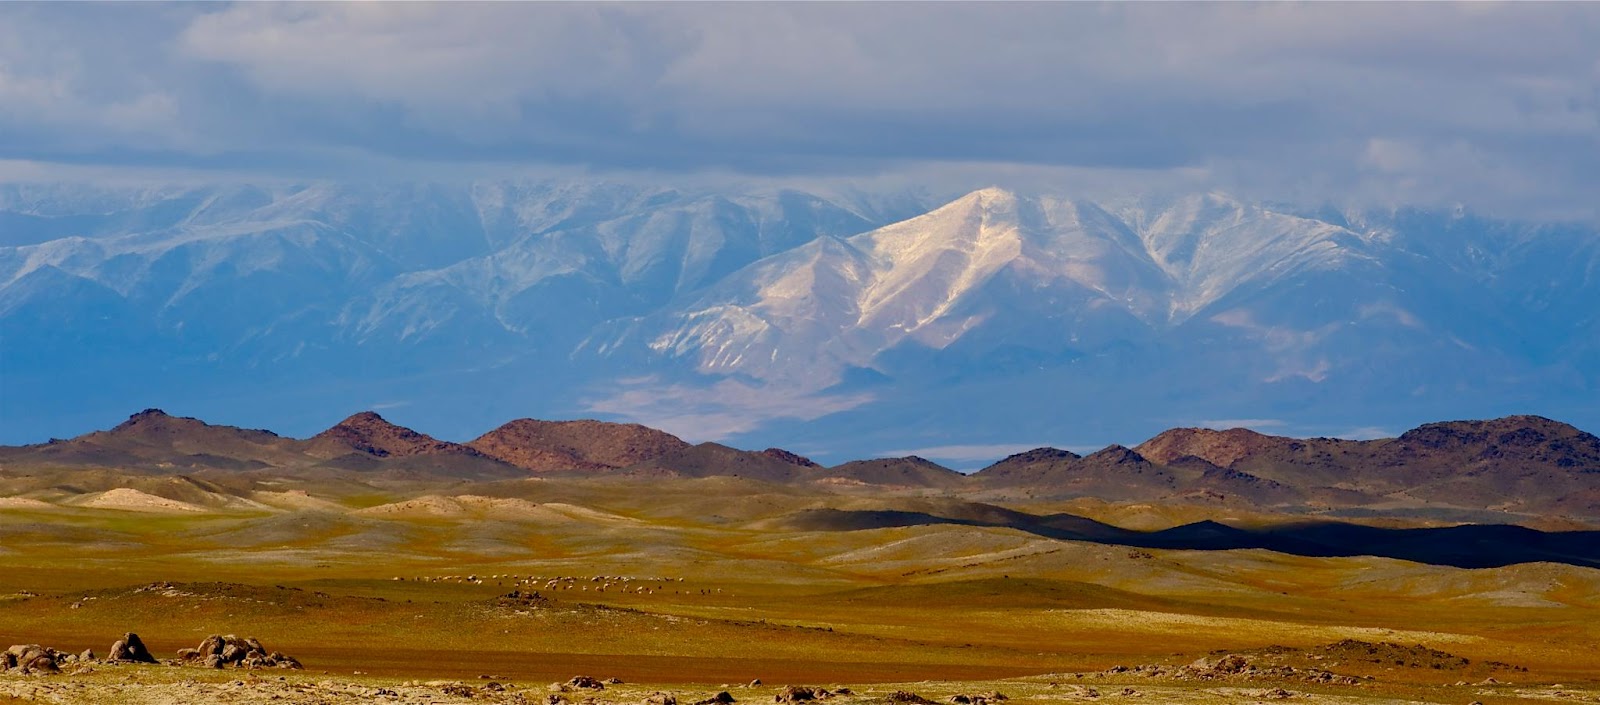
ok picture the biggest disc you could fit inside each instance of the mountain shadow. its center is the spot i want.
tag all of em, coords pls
(1465, 546)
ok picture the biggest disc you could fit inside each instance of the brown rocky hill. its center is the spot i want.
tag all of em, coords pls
(556, 446)
(1517, 463)
(715, 459)
(1026, 468)
(1525, 466)
(1114, 472)
(369, 433)
(910, 471)
(155, 440)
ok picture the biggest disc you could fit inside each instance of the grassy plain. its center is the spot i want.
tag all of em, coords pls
(731, 594)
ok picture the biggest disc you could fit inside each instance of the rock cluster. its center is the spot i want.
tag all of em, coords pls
(35, 659)
(219, 651)
(130, 649)
(982, 699)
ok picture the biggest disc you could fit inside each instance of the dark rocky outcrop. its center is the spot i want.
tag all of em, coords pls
(131, 649)
(218, 651)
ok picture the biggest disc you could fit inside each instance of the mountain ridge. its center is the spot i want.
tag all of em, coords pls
(1517, 465)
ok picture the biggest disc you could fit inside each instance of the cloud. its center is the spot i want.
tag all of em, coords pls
(1365, 433)
(1492, 104)
(717, 411)
(1225, 424)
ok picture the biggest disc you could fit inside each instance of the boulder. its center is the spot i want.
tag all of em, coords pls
(32, 658)
(722, 698)
(586, 682)
(40, 662)
(131, 648)
(659, 698)
(800, 693)
(795, 694)
(87, 655)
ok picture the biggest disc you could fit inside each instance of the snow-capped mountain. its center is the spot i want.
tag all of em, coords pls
(857, 322)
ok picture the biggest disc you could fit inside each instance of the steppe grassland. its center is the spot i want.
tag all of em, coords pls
(756, 601)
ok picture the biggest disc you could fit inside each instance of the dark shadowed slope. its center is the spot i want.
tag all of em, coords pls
(1468, 546)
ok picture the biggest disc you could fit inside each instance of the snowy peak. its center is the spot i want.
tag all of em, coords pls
(738, 305)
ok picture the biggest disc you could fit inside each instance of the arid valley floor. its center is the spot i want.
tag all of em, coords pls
(398, 568)
(706, 588)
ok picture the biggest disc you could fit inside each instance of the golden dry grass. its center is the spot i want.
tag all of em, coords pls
(941, 603)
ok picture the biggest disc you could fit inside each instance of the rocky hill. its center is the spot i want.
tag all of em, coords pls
(1517, 467)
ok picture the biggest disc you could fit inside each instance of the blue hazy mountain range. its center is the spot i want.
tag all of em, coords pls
(835, 322)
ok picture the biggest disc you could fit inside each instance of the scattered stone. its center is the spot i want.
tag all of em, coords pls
(1129, 692)
(906, 696)
(660, 698)
(586, 683)
(457, 689)
(554, 700)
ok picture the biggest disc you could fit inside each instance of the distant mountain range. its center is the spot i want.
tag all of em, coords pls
(1499, 469)
(845, 323)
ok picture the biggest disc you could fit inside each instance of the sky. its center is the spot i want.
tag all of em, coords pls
(1492, 105)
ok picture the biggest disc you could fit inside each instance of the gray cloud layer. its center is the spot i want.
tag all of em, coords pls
(1491, 104)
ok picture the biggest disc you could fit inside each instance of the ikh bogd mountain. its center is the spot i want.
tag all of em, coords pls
(839, 323)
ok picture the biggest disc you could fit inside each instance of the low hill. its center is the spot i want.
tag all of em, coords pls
(556, 446)
(712, 459)
(371, 434)
(910, 471)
